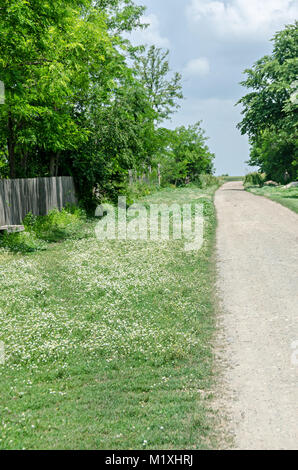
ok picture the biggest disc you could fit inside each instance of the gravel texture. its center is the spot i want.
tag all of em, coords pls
(257, 250)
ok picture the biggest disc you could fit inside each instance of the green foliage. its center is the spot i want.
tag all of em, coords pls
(163, 92)
(4, 168)
(74, 106)
(70, 223)
(137, 191)
(186, 156)
(288, 197)
(208, 180)
(21, 242)
(255, 179)
(57, 225)
(270, 113)
(127, 135)
(57, 53)
(276, 155)
(227, 178)
(107, 344)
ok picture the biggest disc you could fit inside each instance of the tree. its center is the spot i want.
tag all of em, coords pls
(67, 69)
(270, 116)
(119, 139)
(153, 69)
(121, 15)
(275, 154)
(187, 155)
(57, 49)
(75, 107)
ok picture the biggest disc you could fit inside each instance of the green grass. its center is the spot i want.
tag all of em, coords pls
(21, 242)
(286, 197)
(39, 231)
(232, 178)
(109, 345)
(57, 225)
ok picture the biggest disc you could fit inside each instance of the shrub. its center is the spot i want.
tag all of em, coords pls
(255, 179)
(57, 225)
(21, 242)
(207, 180)
(137, 190)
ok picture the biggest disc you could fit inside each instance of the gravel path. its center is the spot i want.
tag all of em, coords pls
(257, 243)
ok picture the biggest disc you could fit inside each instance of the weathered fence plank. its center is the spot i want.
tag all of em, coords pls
(144, 175)
(159, 173)
(36, 195)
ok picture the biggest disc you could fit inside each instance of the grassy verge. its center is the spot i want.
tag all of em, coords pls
(228, 179)
(108, 344)
(39, 231)
(286, 197)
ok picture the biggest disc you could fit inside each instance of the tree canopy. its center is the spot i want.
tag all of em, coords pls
(270, 113)
(163, 92)
(81, 100)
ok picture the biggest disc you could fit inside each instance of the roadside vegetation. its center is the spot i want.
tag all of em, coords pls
(81, 100)
(70, 223)
(257, 183)
(108, 344)
(255, 179)
(227, 178)
(270, 109)
(269, 119)
(288, 197)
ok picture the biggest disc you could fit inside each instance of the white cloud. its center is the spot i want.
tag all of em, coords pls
(151, 35)
(197, 68)
(253, 18)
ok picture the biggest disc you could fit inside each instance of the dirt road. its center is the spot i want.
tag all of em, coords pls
(257, 243)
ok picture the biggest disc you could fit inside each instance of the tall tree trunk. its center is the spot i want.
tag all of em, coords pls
(11, 148)
(57, 163)
(52, 165)
(24, 164)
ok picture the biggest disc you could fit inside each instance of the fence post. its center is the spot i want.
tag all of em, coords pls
(149, 174)
(130, 174)
(159, 174)
(143, 172)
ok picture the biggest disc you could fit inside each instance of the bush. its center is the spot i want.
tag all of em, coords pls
(255, 179)
(21, 242)
(137, 190)
(206, 180)
(57, 225)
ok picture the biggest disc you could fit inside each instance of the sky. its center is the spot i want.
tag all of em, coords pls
(211, 43)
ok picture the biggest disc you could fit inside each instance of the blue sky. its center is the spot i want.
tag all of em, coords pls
(211, 43)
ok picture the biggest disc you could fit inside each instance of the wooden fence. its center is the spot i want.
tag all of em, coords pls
(145, 175)
(36, 195)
